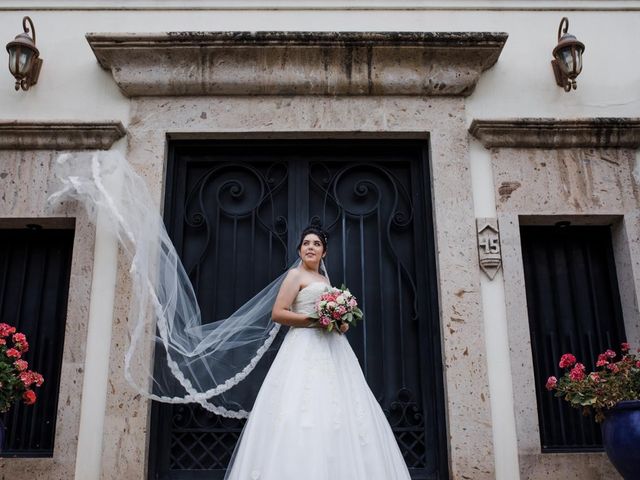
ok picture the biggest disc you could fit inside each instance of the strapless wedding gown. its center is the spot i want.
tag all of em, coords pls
(315, 417)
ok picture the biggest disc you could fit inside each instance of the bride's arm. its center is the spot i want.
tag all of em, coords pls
(287, 294)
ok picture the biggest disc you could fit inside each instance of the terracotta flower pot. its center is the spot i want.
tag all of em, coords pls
(621, 438)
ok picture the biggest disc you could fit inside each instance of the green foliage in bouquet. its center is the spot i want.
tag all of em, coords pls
(335, 307)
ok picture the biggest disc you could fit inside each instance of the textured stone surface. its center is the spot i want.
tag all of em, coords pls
(287, 63)
(24, 187)
(557, 133)
(575, 466)
(437, 120)
(584, 186)
(59, 135)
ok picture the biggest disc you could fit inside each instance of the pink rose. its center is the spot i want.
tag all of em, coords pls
(567, 360)
(551, 383)
(325, 321)
(577, 372)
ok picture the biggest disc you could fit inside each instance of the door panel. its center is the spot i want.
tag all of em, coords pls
(235, 210)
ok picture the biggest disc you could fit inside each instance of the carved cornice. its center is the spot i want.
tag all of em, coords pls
(296, 63)
(59, 135)
(556, 133)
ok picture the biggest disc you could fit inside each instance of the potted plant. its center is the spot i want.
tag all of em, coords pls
(16, 380)
(612, 392)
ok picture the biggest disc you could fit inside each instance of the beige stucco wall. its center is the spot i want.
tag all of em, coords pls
(585, 186)
(25, 186)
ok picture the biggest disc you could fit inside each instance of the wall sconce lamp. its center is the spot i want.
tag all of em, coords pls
(24, 57)
(567, 57)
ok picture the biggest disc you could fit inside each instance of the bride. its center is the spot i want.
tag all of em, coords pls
(315, 417)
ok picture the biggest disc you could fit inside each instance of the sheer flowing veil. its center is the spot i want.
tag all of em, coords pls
(194, 362)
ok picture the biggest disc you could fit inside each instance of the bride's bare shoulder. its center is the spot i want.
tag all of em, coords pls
(293, 277)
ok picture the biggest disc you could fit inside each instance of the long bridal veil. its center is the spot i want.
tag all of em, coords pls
(194, 362)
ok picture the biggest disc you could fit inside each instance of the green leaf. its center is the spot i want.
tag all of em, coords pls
(587, 400)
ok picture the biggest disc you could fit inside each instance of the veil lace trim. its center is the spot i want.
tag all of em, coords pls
(209, 362)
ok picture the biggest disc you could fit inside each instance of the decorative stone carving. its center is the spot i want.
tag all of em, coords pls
(296, 63)
(59, 135)
(557, 133)
(489, 255)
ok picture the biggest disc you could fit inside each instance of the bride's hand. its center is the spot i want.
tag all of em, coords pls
(344, 327)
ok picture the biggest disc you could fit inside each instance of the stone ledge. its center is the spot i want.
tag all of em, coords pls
(297, 63)
(556, 133)
(59, 135)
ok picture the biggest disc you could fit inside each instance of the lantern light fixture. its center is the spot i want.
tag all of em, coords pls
(567, 57)
(24, 57)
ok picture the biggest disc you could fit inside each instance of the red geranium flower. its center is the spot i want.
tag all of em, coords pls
(12, 353)
(6, 330)
(21, 365)
(567, 360)
(577, 372)
(551, 383)
(37, 379)
(29, 397)
(19, 338)
(602, 360)
(16, 380)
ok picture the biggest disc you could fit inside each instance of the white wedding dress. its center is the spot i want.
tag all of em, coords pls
(315, 417)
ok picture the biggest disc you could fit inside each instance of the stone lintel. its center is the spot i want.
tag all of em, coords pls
(297, 63)
(598, 132)
(16, 135)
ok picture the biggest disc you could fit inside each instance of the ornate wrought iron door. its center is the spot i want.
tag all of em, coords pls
(235, 210)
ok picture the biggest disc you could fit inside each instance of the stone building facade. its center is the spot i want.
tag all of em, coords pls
(470, 80)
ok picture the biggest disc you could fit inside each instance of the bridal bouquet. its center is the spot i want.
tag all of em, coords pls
(16, 381)
(335, 307)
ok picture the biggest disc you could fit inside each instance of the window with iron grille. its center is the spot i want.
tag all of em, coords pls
(574, 306)
(35, 265)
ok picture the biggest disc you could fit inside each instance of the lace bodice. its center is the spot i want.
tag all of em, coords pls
(307, 297)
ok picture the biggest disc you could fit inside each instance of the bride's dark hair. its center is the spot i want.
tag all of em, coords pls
(316, 230)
